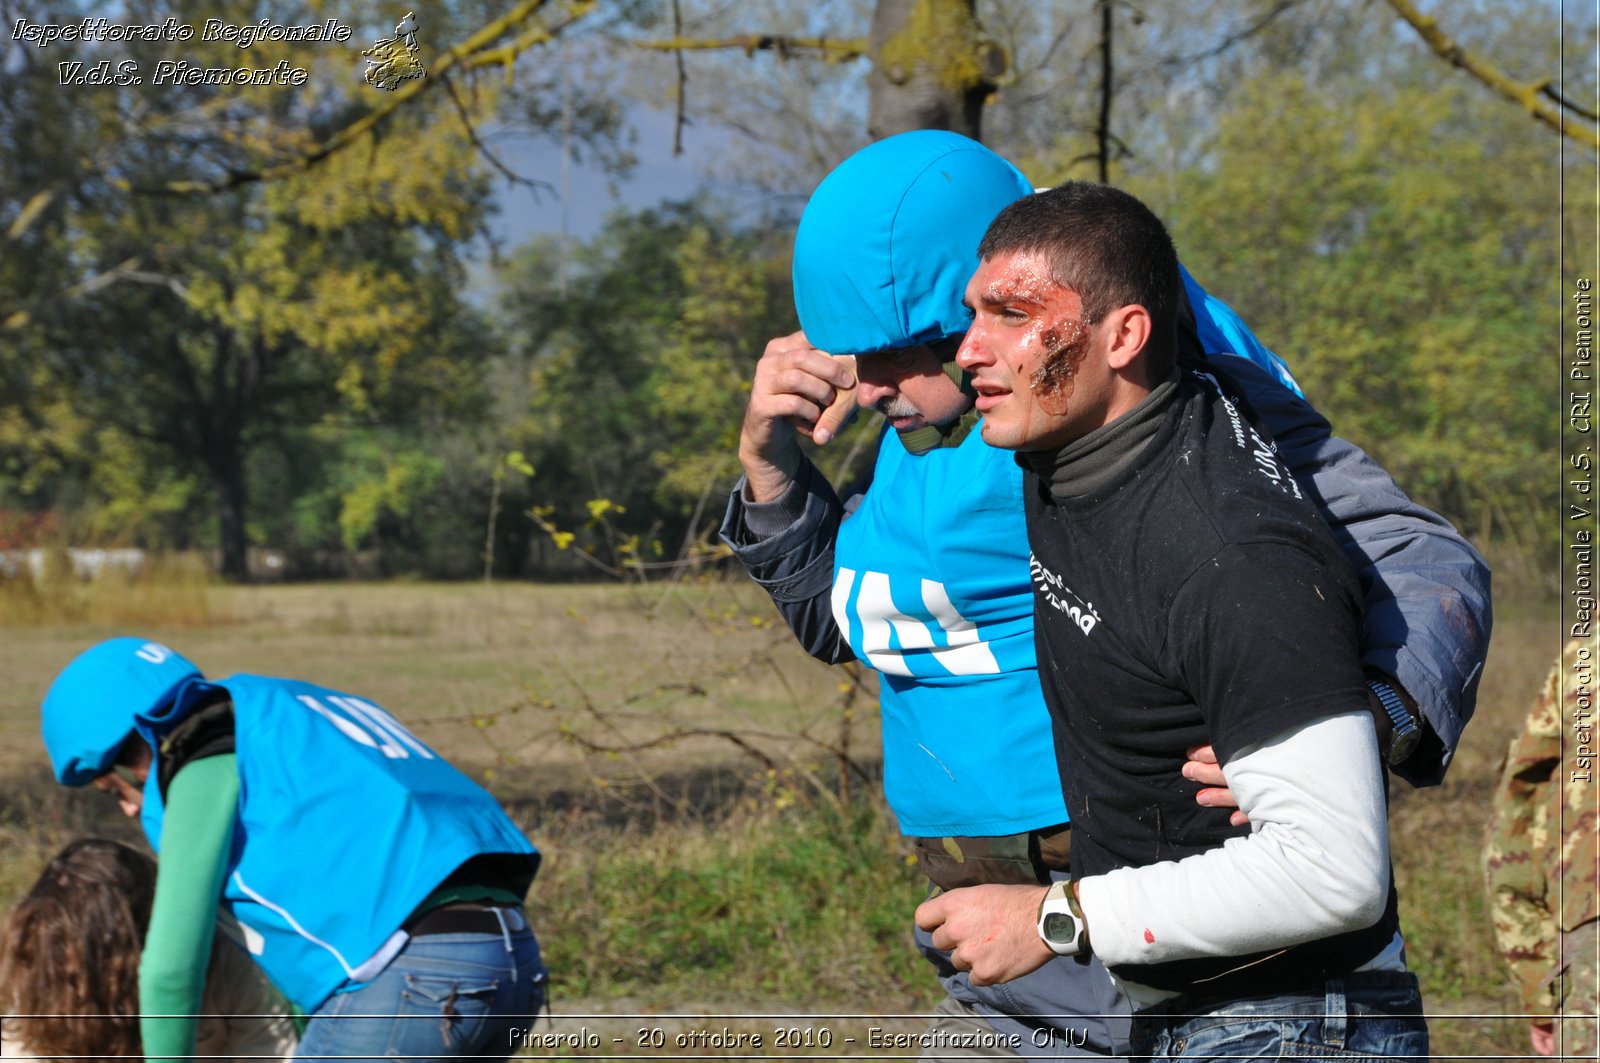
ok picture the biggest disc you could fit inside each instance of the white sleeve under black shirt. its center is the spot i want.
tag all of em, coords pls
(1199, 598)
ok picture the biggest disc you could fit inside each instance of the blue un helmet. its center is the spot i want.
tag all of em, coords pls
(890, 238)
(91, 708)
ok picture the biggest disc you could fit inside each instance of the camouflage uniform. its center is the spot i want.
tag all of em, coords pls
(1543, 852)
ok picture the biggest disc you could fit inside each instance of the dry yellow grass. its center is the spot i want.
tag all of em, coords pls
(503, 679)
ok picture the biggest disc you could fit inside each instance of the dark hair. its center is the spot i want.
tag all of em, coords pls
(1105, 245)
(71, 958)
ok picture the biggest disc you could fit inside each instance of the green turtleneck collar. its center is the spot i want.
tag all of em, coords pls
(933, 436)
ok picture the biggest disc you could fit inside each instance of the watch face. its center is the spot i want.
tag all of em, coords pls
(1060, 927)
(1402, 746)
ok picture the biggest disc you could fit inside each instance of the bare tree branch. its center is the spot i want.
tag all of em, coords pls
(1527, 94)
(470, 54)
(535, 186)
(1102, 129)
(126, 271)
(30, 213)
(1572, 105)
(1115, 146)
(683, 82)
(506, 55)
(833, 49)
(1266, 19)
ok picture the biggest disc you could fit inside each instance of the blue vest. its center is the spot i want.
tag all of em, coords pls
(932, 589)
(346, 822)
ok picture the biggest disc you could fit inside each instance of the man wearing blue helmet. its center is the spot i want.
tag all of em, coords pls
(373, 883)
(928, 579)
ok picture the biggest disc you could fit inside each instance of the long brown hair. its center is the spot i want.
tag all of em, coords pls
(71, 953)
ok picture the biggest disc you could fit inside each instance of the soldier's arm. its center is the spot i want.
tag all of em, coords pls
(1519, 891)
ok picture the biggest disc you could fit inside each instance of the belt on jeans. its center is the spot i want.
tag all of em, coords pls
(1311, 984)
(462, 919)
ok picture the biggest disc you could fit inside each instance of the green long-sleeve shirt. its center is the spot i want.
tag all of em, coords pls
(196, 837)
(202, 802)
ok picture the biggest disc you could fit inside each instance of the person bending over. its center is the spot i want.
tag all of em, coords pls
(378, 887)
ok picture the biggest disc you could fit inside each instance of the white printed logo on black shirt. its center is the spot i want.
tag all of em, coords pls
(1053, 590)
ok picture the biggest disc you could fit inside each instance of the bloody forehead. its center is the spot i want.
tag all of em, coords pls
(1018, 277)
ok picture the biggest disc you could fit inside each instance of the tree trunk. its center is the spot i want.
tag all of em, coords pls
(227, 479)
(1102, 129)
(932, 68)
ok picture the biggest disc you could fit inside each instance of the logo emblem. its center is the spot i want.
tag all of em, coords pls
(395, 60)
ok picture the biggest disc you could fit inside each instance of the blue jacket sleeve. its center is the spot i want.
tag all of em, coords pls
(1427, 590)
(795, 565)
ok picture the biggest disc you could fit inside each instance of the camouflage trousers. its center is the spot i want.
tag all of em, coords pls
(1018, 859)
(1577, 985)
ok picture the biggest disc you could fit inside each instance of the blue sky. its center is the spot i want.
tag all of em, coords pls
(590, 194)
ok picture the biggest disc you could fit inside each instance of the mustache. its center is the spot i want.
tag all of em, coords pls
(893, 406)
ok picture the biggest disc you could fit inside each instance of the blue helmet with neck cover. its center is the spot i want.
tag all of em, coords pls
(890, 238)
(93, 706)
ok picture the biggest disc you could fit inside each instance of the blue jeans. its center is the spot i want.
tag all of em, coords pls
(442, 997)
(1364, 1015)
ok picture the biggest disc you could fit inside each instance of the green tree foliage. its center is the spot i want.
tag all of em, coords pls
(184, 332)
(1395, 243)
(639, 370)
(292, 362)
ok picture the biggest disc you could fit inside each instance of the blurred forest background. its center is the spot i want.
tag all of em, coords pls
(271, 335)
(284, 325)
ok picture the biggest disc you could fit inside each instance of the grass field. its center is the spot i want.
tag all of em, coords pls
(714, 837)
(514, 680)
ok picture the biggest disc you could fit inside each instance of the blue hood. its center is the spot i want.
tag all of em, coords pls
(890, 238)
(93, 704)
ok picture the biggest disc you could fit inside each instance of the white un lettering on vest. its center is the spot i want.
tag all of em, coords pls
(369, 726)
(883, 624)
(1062, 598)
